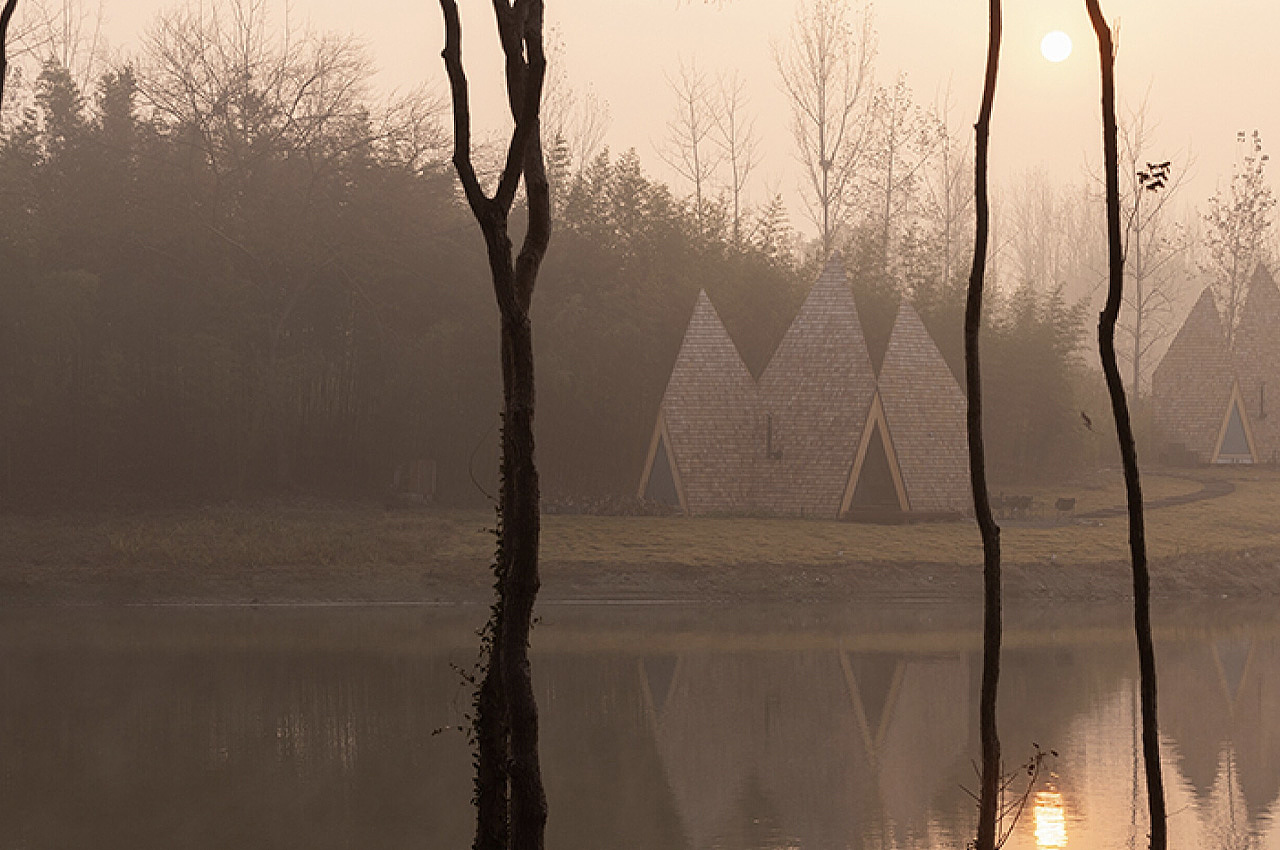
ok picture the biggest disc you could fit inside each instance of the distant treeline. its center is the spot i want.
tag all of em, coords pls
(236, 280)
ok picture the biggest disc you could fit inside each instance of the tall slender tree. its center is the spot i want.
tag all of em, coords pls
(1124, 432)
(989, 792)
(903, 140)
(1155, 243)
(739, 145)
(6, 17)
(691, 147)
(1238, 226)
(947, 194)
(511, 803)
(826, 72)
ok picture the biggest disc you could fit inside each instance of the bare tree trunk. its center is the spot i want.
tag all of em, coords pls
(1124, 431)
(690, 132)
(738, 143)
(989, 792)
(1137, 295)
(511, 803)
(5, 17)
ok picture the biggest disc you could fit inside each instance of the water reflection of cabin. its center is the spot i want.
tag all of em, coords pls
(1211, 395)
(881, 732)
(821, 433)
(1218, 703)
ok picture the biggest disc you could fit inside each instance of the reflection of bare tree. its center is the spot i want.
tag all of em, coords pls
(1227, 826)
(227, 748)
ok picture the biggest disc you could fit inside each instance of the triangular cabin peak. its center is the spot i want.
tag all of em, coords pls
(925, 411)
(815, 394)
(1193, 384)
(1256, 349)
(701, 447)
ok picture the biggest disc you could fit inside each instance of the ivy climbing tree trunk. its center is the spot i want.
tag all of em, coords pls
(1124, 431)
(510, 801)
(989, 792)
(6, 16)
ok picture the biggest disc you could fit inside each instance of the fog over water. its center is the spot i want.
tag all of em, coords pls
(687, 727)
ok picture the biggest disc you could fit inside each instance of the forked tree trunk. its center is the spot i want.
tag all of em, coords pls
(510, 802)
(1124, 431)
(989, 792)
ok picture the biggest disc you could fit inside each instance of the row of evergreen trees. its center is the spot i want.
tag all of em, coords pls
(229, 284)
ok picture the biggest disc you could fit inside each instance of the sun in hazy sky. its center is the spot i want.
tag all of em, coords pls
(1056, 46)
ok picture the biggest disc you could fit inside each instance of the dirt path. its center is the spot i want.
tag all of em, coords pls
(1211, 488)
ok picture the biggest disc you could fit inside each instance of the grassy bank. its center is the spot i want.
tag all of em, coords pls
(365, 552)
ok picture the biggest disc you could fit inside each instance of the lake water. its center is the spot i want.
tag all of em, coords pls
(664, 727)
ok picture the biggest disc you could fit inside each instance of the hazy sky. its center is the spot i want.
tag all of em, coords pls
(1210, 68)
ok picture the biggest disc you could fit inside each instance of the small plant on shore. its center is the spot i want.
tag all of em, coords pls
(1013, 794)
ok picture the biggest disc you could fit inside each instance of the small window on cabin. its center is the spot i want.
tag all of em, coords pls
(770, 452)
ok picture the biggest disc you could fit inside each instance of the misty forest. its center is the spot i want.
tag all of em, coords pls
(900, 481)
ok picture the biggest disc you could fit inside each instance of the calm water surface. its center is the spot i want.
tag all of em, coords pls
(674, 728)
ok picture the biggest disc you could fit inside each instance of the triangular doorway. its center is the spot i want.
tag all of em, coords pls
(661, 479)
(875, 673)
(874, 487)
(873, 679)
(875, 484)
(1235, 437)
(659, 674)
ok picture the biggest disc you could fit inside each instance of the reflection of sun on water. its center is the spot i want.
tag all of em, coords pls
(1051, 820)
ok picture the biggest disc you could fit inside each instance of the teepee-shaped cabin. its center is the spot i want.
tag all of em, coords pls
(1197, 399)
(701, 454)
(915, 430)
(1257, 358)
(820, 434)
(816, 393)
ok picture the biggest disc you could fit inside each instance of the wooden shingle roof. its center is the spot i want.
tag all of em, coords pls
(1257, 357)
(1192, 385)
(709, 414)
(817, 390)
(925, 411)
